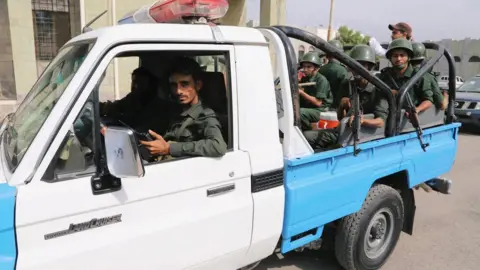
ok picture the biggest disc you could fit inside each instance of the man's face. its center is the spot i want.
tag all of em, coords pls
(139, 83)
(185, 88)
(359, 78)
(398, 34)
(309, 69)
(399, 58)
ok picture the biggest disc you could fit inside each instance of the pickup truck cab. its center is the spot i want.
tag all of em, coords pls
(72, 198)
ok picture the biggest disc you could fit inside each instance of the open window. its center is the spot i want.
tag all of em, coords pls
(154, 109)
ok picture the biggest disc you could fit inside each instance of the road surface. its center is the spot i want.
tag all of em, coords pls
(446, 231)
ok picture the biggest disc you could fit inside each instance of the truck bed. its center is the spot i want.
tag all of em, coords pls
(326, 186)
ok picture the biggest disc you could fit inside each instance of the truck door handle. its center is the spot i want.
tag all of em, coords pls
(216, 191)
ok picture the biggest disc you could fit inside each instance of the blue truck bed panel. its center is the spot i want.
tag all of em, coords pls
(329, 185)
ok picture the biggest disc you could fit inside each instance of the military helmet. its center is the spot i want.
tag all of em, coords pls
(400, 43)
(336, 43)
(311, 57)
(419, 51)
(363, 53)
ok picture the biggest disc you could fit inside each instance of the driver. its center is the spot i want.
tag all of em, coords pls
(195, 131)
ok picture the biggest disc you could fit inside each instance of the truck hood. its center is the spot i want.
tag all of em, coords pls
(468, 96)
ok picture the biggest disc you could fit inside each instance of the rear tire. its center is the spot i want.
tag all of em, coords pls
(365, 239)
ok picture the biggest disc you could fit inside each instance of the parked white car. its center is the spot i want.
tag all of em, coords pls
(443, 82)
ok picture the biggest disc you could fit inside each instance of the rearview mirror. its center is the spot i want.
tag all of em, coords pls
(123, 158)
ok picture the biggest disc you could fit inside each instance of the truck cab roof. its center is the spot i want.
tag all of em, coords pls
(173, 32)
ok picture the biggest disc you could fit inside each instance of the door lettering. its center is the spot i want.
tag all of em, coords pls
(92, 224)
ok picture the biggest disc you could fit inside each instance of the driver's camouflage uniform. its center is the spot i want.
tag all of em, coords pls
(195, 132)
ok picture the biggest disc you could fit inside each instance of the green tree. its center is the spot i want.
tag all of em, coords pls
(349, 36)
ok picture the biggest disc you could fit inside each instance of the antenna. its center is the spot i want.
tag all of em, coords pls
(87, 27)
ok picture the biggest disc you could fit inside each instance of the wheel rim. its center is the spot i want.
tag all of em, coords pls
(379, 233)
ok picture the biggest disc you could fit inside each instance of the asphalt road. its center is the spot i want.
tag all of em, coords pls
(446, 231)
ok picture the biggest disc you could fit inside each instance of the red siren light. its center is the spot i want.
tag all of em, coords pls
(177, 11)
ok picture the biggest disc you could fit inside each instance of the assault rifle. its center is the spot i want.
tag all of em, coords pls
(356, 116)
(412, 115)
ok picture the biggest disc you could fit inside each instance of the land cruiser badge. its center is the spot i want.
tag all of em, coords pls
(92, 224)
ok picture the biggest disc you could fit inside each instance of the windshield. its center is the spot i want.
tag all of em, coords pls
(41, 99)
(472, 85)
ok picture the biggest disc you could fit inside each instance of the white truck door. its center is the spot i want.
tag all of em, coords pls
(191, 213)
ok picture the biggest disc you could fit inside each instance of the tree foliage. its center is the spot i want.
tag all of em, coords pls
(349, 36)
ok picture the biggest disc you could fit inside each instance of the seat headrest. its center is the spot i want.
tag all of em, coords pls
(214, 91)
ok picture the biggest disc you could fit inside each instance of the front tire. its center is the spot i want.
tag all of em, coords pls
(365, 239)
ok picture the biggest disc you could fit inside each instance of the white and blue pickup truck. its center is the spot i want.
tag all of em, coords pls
(101, 207)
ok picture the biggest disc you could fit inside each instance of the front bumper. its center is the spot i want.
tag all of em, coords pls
(468, 116)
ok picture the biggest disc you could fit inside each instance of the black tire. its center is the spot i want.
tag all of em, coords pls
(379, 221)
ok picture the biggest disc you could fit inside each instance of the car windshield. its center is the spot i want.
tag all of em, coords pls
(472, 85)
(37, 105)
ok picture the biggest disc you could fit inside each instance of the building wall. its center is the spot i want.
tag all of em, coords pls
(23, 56)
(7, 76)
(467, 55)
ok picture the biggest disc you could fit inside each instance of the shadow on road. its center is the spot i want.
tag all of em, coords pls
(307, 260)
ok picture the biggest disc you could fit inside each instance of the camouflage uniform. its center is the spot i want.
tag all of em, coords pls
(196, 132)
(335, 73)
(321, 90)
(372, 101)
(422, 90)
(418, 59)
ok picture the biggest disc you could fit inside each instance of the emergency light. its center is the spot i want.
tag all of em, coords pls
(177, 11)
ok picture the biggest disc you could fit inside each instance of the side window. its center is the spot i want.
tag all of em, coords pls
(148, 102)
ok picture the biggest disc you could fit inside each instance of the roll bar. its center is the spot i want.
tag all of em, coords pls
(441, 51)
(305, 36)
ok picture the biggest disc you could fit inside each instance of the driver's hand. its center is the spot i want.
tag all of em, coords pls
(157, 147)
(394, 92)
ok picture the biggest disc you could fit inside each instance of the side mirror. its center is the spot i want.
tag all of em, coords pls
(123, 157)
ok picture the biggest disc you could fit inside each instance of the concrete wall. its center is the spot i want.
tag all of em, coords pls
(465, 51)
(23, 45)
(7, 76)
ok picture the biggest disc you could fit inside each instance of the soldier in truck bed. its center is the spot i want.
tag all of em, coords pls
(372, 101)
(314, 99)
(335, 72)
(440, 99)
(399, 53)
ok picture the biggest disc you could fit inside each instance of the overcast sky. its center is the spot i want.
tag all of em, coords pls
(430, 19)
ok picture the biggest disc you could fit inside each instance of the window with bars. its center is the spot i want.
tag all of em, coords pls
(52, 22)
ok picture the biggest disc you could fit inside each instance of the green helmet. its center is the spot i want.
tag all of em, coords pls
(419, 51)
(337, 44)
(311, 57)
(400, 43)
(363, 53)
